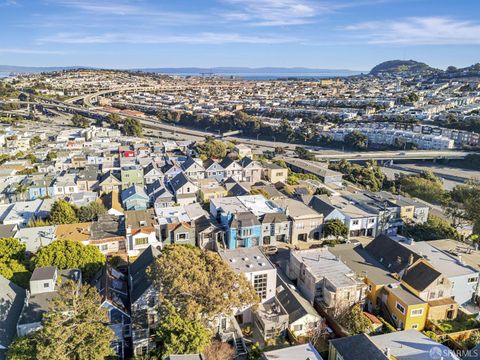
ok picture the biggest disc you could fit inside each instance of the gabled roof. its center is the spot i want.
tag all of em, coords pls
(209, 162)
(140, 281)
(319, 203)
(179, 181)
(190, 162)
(107, 175)
(12, 298)
(358, 347)
(420, 275)
(238, 190)
(226, 162)
(394, 256)
(294, 304)
(270, 218)
(244, 162)
(134, 190)
(243, 219)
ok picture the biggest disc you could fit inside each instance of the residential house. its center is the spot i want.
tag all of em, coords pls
(322, 277)
(36, 237)
(112, 286)
(302, 317)
(258, 270)
(213, 170)
(193, 169)
(275, 228)
(242, 150)
(275, 173)
(135, 198)
(108, 234)
(306, 222)
(142, 231)
(232, 168)
(152, 173)
(243, 229)
(184, 189)
(358, 221)
(44, 285)
(160, 196)
(298, 352)
(144, 302)
(87, 179)
(176, 226)
(112, 203)
(252, 170)
(356, 347)
(210, 189)
(12, 299)
(109, 182)
(131, 175)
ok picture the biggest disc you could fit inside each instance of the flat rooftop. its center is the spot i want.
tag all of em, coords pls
(245, 260)
(323, 264)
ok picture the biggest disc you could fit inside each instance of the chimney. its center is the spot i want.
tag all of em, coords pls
(410, 260)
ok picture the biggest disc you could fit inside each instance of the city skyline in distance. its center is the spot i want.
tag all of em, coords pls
(353, 35)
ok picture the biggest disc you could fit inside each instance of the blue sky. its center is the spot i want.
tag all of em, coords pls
(332, 34)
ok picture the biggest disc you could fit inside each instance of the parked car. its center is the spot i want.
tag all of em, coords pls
(270, 250)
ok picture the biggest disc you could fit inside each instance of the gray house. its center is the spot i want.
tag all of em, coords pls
(12, 298)
(44, 285)
(144, 302)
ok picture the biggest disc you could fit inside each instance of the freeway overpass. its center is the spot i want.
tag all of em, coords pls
(320, 154)
(395, 155)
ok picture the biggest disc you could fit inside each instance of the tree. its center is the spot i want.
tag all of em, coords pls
(212, 148)
(177, 335)
(355, 321)
(425, 186)
(199, 283)
(12, 261)
(51, 155)
(74, 328)
(80, 121)
(434, 229)
(218, 350)
(34, 141)
(62, 213)
(90, 212)
(336, 228)
(68, 254)
(255, 352)
(303, 153)
(357, 140)
(132, 127)
(464, 200)
(322, 191)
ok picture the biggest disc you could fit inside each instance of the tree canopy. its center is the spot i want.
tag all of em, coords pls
(357, 140)
(434, 229)
(68, 254)
(73, 329)
(212, 148)
(80, 121)
(199, 283)
(369, 175)
(62, 213)
(177, 335)
(336, 228)
(132, 127)
(13, 265)
(90, 212)
(355, 321)
(425, 186)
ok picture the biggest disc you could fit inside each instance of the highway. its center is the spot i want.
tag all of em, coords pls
(261, 145)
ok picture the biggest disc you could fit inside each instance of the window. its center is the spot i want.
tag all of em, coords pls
(414, 326)
(260, 285)
(472, 280)
(182, 237)
(370, 288)
(440, 293)
(432, 295)
(297, 327)
(416, 312)
(46, 285)
(104, 247)
(141, 241)
(355, 222)
(371, 221)
(400, 308)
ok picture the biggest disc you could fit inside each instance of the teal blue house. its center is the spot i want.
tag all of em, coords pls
(243, 230)
(135, 198)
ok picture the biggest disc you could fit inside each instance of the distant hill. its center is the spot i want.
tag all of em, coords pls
(402, 66)
(239, 71)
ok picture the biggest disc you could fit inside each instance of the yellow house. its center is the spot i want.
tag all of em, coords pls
(407, 310)
(275, 173)
(211, 189)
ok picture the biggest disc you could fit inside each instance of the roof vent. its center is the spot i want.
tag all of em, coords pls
(245, 258)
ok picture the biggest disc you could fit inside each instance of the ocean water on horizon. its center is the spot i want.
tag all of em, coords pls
(270, 76)
(4, 74)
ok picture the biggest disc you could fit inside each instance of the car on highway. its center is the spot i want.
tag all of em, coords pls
(270, 249)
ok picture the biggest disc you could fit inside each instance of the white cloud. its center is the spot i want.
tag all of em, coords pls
(198, 38)
(31, 51)
(418, 31)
